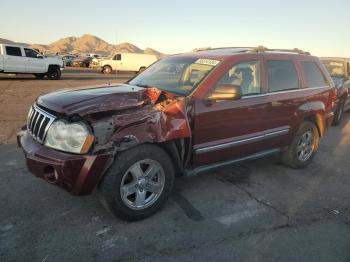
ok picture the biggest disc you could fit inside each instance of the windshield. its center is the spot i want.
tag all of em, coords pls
(176, 75)
(335, 68)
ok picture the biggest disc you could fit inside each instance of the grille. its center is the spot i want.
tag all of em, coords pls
(38, 123)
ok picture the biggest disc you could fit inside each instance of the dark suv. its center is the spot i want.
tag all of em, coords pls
(184, 115)
(339, 69)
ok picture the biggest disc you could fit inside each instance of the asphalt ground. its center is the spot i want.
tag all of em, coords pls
(256, 211)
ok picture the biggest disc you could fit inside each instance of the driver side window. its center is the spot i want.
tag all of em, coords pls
(30, 53)
(246, 75)
(117, 57)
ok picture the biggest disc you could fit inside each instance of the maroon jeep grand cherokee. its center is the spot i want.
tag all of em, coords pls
(185, 114)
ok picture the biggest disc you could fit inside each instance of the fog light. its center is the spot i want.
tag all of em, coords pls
(50, 175)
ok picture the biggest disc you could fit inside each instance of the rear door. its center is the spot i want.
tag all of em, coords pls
(225, 130)
(14, 60)
(286, 99)
(35, 63)
(316, 84)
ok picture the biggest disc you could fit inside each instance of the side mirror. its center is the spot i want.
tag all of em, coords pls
(39, 56)
(225, 92)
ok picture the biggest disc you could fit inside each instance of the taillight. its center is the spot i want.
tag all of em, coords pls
(334, 97)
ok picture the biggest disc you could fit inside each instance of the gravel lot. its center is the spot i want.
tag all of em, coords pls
(257, 211)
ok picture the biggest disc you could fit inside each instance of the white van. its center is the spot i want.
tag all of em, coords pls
(127, 62)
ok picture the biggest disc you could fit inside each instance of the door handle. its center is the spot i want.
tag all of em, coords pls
(276, 103)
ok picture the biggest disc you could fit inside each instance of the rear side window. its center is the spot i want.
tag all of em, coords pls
(313, 75)
(14, 51)
(282, 75)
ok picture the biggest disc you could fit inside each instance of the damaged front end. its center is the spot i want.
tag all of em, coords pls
(158, 117)
(120, 117)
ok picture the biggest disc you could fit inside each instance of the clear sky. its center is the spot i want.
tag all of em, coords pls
(322, 27)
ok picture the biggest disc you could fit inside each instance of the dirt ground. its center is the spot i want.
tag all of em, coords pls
(17, 93)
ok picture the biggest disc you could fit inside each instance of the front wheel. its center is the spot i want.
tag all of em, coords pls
(138, 183)
(54, 73)
(303, 147)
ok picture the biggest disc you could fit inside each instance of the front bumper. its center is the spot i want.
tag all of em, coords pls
(77, 174)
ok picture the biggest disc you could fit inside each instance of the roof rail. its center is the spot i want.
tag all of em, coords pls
(259, 49)
(295, 50)
(239, 48)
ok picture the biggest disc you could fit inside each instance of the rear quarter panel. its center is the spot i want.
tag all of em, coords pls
(319, 98)
(133, 62)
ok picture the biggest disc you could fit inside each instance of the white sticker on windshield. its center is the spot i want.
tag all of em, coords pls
(207, 62)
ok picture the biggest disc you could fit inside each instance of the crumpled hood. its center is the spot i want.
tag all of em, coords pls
(94, 100)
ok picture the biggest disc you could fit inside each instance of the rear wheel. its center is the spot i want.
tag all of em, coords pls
(107, 69)
(39, 76)
(339, 113)
(138, 183)
(303, 147)
(54, 73)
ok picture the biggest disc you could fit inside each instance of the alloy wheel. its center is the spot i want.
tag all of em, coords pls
(306, 146)
(142, 184)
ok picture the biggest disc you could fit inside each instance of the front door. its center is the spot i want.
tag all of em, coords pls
(34, 61)
(229, 129)
(118, 62)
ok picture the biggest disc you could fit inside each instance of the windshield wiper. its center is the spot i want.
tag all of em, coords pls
(144, 86)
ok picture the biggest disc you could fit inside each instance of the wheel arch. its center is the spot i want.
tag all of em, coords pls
(53, 65)
(318, 121)
(170, 147)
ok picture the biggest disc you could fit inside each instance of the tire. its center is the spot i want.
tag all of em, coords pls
(127, 193)
(107, 69)
(293, 156)
(54, 73)
(338, 113)
(142, 68)
(39, 76)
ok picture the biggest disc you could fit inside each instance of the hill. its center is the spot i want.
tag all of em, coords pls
(84, 45)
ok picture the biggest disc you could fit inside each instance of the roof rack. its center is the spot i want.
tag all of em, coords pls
(295, 50)
(239, 48)
(259, 49)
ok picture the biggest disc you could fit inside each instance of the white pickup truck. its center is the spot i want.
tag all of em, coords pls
(127, 62)
(24, 60)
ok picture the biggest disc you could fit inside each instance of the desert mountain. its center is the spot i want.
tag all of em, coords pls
(86, 44)
(6, 41)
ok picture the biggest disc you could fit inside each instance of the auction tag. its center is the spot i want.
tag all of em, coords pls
(207, 62)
